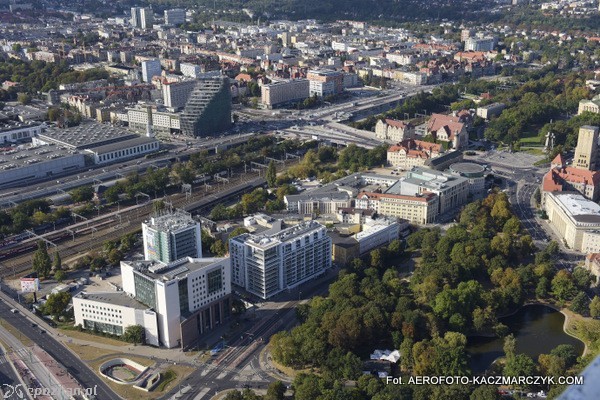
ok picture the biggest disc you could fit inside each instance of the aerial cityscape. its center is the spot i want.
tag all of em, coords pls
(300, 200)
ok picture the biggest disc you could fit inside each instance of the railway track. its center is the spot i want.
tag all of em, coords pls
(99, 230)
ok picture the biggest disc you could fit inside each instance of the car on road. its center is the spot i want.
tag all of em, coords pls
(13, 310)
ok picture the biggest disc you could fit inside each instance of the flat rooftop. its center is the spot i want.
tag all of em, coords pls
(580, 208)
(278, 234)
(86, 136)
(7, 126)
(172, 221)
(22, 156)
(123, 144)
(114, 298)
(177, 269)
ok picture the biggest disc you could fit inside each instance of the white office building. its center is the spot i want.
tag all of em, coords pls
(279, 259)
(175, 16)
(113, 312)
(150, 69)
(190, 296)
(171, 237)
(376, 233)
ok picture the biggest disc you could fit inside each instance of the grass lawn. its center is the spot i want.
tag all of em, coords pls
(585, 329)
(536, 151)
(174, 373)
(290, 372)
(75, 334)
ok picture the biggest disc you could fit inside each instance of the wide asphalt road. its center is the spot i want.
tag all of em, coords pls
(72, 364)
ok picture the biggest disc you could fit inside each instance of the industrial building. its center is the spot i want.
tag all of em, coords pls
(22, 166)
(208, 109)
(15, 131)
(172, 236)
(279, 259)
(104, 143)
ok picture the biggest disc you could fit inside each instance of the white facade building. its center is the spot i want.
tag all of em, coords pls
(284, 92)
(132, 148)
(279, 259)
(171, 237)
(191, 70)
(150, 69)
(480, 44)
(376, 233)
(142, 17)
(190, 296)
(176, 94)
(113, 312)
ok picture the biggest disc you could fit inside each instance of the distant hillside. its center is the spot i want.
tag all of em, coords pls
(369, 10)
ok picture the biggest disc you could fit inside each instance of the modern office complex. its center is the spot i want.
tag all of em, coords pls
(171, 237)
(174, 302)
(279, 259)
(190, 296)
(208, 109)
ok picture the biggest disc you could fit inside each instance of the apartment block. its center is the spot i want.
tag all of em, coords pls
(150, 69)
(190, 70)
(176, 94)
(279, 259)
(325, 83)
(279, 93)
(142, 17)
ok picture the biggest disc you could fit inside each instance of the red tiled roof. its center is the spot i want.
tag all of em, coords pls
(558, 160)
(397, 124)
(416, 145)
(243, 77)
(554, 178)
(448, 122)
